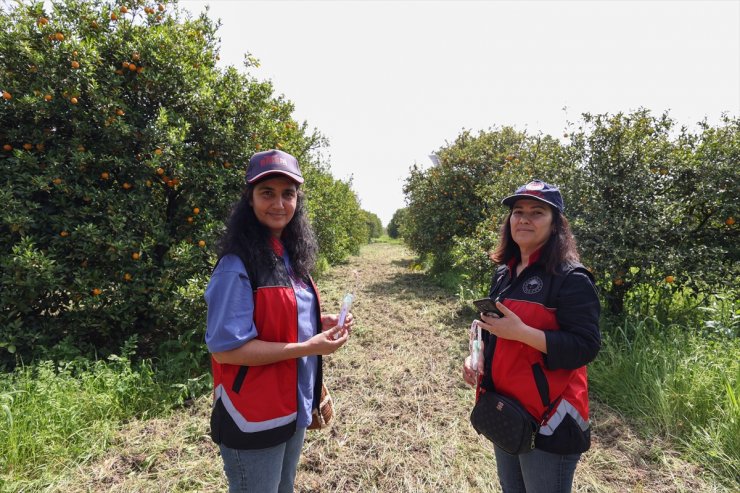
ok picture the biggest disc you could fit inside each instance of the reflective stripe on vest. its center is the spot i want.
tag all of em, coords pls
(564, 408)
(242, 423)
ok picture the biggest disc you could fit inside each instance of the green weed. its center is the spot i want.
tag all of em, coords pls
(57, 414)
(679, 383)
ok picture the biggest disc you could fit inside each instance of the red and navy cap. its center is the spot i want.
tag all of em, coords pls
(537, 190)
(265, 163)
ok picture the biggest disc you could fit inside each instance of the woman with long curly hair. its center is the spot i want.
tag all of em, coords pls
(265, 329)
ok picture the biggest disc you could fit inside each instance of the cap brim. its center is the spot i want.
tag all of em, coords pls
(513, 198)
(292, 176)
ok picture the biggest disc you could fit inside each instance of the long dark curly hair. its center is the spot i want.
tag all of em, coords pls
(559, 249)
(249, 239)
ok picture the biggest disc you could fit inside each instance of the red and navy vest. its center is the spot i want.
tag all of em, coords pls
(256, 407)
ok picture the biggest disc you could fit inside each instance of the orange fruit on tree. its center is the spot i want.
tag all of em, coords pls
(190, 219)
(57, 181)
(618, 281)
(81, 148)
(227, 165)
(127, 277)
(126, 185)
(104, 175)
(139, 70)
(669, 279)
(74, 53)
(114, 16)
(136, 57)
(7, 147)
(124, 9)
(120, 112)
(59, 36)
(135, 255)
(43, 21)
(201, 243)
(730, 221)
(160, 171)
(64, 234)
(160, 7)
(75, 64)
(196, 211)
(7, 95)
(96, 291)
(158, 152)
(119, 72)
(148, 183)
(48, 97)
(27, 146)
(73, 100)
(132, 66)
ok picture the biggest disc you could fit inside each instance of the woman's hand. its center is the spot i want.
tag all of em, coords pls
(331, 319)
(325, 342)
(510, 326)
(469, 375)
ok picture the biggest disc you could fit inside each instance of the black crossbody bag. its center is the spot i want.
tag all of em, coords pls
(505, 422)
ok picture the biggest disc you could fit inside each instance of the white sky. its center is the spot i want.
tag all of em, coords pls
(390, 82)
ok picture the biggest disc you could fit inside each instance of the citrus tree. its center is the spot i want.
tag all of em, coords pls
(123, 146)
(653, 204)
(454, 208)
(396, 224)
(373, 225)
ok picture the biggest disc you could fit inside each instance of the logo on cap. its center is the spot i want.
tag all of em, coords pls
(535, 185)
(273, 159)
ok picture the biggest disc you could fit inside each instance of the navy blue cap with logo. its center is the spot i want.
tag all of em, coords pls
(266, 163)
(537, 190)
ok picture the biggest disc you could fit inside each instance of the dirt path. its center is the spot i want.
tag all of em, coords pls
(401, 411)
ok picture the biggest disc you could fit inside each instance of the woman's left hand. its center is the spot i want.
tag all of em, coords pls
(510, 326)
(332, 319)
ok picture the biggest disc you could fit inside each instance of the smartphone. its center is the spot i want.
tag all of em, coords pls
(487, 305)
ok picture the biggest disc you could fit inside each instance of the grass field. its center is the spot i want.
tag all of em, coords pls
(401, 408)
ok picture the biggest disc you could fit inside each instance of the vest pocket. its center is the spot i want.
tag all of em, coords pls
(543, 387)
(239, 380)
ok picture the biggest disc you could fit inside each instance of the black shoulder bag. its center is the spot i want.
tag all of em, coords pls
(505, 422)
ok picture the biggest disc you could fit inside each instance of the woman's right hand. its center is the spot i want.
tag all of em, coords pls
(469, 374)
(324, 342)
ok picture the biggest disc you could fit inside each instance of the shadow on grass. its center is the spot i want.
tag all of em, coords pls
(404, 263)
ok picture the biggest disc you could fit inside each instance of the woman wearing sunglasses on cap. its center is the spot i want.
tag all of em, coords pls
(537, 351)
(265, 329)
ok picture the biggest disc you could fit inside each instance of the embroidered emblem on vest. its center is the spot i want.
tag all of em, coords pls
(532, 285)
